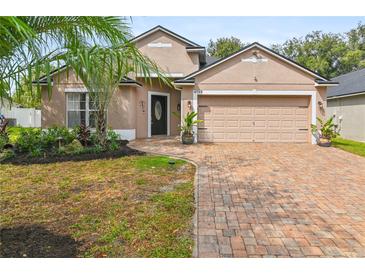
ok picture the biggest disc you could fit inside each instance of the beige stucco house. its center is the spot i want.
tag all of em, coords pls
(346, 103)
(253, 95)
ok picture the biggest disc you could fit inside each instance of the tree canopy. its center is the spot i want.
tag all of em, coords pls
(329, 54)
(224, 46)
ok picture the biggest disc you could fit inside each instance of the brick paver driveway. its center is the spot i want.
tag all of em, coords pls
(274, 200)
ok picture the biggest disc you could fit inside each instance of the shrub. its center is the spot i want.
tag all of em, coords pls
(53, 134)
(83, 134)
(75, 147)
(14, 132)
(6, 154)
(113, 140)
(4, 139)
(29, 141)
(35, 141)
(93, 139)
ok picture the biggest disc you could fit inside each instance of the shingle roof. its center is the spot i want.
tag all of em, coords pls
(211, 59)
(43, 79)
(350, 83)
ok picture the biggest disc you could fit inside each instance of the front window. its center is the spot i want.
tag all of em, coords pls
(80, 110)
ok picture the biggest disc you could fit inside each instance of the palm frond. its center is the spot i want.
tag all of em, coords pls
(28, 42)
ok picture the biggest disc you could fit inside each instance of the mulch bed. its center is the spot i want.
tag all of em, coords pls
(23, 159)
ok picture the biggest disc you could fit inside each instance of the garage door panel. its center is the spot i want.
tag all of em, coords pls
(204, 136)
(260, 111)
(232, 130)
(253, 119)
(301, 124)
(232, 123)
(301, 111)
(273, 137)
(229, 117)
(301, 136)
(274, 111)
(259, 137)
(246, 124)
(218, 110)
(231, 136)
(288, 111)
(273, 124)
(218, 135)
(233, 110)
(218, 123)
(287, 123)
(246, 136)
(246, 111)
(287, 137)
(260, 124)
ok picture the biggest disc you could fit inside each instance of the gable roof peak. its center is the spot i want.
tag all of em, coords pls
(161, 28)
(264, 48)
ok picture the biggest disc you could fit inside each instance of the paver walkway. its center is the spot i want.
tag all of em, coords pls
(274, 200)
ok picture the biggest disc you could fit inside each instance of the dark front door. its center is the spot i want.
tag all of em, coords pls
(158, 115)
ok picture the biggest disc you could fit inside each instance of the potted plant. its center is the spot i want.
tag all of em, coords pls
(186, 129)
(325, 132)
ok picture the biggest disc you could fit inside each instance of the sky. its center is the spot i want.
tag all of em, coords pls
(265, 30)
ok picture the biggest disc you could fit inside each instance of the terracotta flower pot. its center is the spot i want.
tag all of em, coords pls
(187, 139)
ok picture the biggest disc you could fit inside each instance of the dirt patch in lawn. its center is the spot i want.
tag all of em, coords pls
(20, 242)
(136, 206)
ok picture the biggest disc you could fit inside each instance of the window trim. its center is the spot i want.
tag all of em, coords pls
(87, 106)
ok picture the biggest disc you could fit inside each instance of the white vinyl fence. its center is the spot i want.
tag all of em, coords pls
(25, 117)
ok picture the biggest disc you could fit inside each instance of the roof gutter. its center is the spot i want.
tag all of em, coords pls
(346, 95)
(321, 83)
(183, 82)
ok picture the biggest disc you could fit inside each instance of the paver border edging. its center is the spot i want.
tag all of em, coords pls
(196, 195)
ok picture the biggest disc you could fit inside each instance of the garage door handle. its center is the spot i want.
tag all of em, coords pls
(202, 128)
(303, 129)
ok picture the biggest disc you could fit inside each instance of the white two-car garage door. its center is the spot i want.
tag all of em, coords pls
(254, 119)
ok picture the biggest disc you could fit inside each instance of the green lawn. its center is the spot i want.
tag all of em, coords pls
(349, 145)
(139, 206)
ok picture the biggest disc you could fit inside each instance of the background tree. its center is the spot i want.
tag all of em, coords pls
(318, 51)
(26, 96)
(327, 53)
(354, 58)
(224, 46)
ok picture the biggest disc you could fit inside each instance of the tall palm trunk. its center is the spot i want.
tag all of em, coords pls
(101, 127)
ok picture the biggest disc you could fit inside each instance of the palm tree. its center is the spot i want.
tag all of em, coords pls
(96, 48)
(101, 69)
(29, 43)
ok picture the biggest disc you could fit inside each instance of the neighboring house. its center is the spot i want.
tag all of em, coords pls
(253, 95)
(19, 116)
(346, 103)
